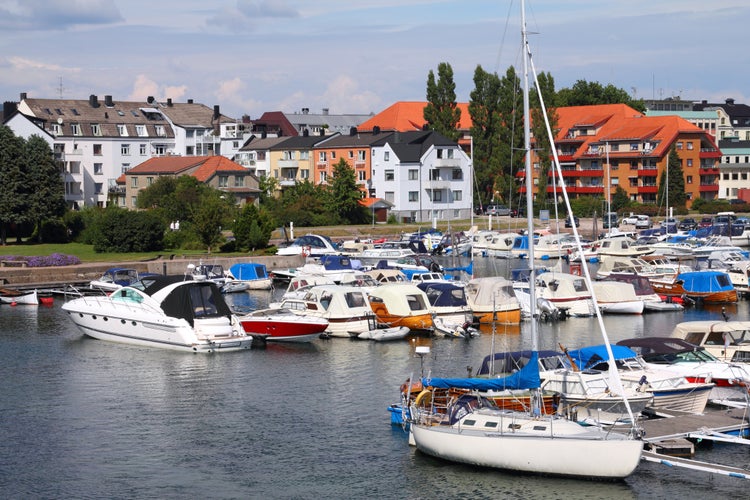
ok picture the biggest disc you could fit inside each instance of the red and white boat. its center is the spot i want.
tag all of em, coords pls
(280, 324)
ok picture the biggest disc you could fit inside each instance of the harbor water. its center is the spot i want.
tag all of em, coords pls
(83, 418)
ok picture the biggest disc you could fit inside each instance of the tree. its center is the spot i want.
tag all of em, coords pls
(542, 144)
(121, 230)
(584, 93)
(47, 198)
(209, 216)
(672, 183)
(508, 157)
(253, 228)
(620, 199)
(344, 195)
(441, 112)
(485, 118)
(12, 179)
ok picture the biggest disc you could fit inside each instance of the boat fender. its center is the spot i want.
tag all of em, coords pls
(423, 398)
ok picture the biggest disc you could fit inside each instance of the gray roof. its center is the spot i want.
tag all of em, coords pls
(336, 123)
(303, 142)
(258, 143)
(411, 146)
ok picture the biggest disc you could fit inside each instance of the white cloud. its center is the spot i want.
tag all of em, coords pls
(142, 88)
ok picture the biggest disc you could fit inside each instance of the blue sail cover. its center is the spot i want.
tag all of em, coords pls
(526, 378)
(587, 357)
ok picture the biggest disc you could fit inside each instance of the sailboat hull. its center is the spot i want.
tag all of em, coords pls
(571, 450)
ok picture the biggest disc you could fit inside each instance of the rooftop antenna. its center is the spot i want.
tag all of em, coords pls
(60, 88)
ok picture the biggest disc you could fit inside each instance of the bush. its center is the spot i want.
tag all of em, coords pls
(54, 231)
(124, 231)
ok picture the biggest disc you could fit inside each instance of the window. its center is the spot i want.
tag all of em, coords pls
(304, 155)
(413, 195)
(141, 130)
(189, 133)
(689, 161)
(390, 197)
(125, 149)
(160, 131)
(413, 175)
(98, 168)
(122, 130)
(457, 174)
(387, 156)
(289, 155)
(304, 173)
(634, 146)
(679, 146)
(351, 154)
(142, 149)
(725, 176)
(615, 181)
(239, 181)
(134, 182)
(76, 128)
(361, 176)
(124, 167)
(434, 174)
(322, 156)
(437, 196)
(160, 149)
(389, 176)
(97, 149)
(458, 195)
(149, 181)
(333, 155)
(689, 179)
(96, 129)
(361, 155)
(323, 177)
(133, 200)
(689, 145)
(223, 181)
(56, 129)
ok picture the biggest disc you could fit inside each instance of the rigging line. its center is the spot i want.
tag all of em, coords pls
(502, 39)
(613, 373)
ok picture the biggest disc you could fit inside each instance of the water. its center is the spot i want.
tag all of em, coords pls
(90, 419)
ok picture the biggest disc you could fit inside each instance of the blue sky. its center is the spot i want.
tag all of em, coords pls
(360, 56)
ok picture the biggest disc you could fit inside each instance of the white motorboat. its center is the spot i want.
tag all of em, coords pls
(309, 245)
(726, 340)
(491, 300)
(616, 297)
(567, 292)
(115, 278)
(17, 297)
(169, 312)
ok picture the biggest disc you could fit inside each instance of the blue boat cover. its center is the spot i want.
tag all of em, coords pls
(587, 357)
(525, 378)
(249, 271)
(706, 281)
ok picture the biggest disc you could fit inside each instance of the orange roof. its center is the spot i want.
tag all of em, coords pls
(207, 166)
(409, 115)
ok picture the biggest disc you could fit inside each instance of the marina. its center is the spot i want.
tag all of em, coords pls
(128, 421)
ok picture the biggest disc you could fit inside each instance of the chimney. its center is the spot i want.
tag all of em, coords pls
(325, 111)
(93, 101)
(353, 131)
(108, 101)
(376, 129)
(150, 99)
(730, 101)
(306, 132)
(216, 112)
(169, 102)
(190, 101)
(305, 111)
(9, 107)
(23, 96)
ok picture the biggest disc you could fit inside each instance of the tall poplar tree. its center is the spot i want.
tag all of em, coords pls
(674, 183)
(441, 112)
(12, 173)
(542, 145)
(47, 198)
(509, 157)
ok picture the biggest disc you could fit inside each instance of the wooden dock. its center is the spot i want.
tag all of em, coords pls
(731, 421)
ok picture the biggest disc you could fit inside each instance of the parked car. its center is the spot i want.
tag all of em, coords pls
(688, 224)
(610, 219)
(706, 222)
(630, 219)
(643, 222)
(568, 223)
(518, 212)
(497, 210)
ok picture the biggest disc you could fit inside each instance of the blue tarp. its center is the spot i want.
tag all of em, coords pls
(705, 281)
(248, 271)
(526, 378)
(586, 357)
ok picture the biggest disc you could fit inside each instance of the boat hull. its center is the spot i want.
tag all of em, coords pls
(574, 455)
(295, 329)
(29, 298)
(503, 317)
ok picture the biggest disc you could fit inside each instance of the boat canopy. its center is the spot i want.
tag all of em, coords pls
(194, 299)
(525, 378)
(588, 357)
(443, 294)
(248, 271)
(706, 281)
(508, 362)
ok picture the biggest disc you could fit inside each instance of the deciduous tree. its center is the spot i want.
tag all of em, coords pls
(441, 112)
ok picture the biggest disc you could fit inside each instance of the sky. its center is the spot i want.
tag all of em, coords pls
(361, 56)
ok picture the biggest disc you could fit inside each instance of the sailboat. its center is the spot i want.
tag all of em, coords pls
(472, 430)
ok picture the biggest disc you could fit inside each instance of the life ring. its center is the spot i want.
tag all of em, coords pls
(423, 398)
(305, 251)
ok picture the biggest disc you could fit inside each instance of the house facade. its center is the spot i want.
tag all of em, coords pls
(96, 141)
(216, 171)
(355, 148)
(293, 160)
(423, 175)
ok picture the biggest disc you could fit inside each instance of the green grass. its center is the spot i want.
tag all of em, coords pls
(84, 252)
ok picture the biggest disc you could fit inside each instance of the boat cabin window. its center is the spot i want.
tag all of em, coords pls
(126, 294)
(723, 280)
(580, 286)
(355, 299)
(325, 300)
(416, 302)
(202, 299)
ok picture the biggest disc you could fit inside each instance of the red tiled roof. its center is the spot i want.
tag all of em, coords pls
(207, 166)
(214, 165)
(404, 116)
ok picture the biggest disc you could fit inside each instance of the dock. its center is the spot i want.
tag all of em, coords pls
(670, 441)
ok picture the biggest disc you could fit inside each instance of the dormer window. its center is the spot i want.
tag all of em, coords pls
(96, 129)
(160, 131)
(122, 130)
(141, 130)
(76, 128)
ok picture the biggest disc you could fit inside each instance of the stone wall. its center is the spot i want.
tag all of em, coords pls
(50, 277)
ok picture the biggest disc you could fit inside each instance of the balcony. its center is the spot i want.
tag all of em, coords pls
(286, 182)
(116, 190)
(708, 188)
(446, 163)
(648, 189)
(288, 163)
(704, 170)
(321, 165)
